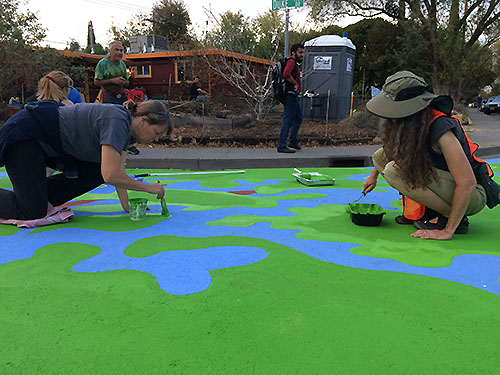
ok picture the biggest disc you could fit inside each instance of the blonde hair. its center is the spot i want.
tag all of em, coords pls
(55, 85)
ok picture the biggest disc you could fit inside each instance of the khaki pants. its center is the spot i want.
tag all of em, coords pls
(444, 186)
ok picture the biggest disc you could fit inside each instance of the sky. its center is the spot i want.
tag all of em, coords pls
(69, 19)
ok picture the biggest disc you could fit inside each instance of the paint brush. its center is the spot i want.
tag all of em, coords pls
(164, 209)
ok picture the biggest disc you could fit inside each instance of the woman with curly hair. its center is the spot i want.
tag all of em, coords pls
(426, 155)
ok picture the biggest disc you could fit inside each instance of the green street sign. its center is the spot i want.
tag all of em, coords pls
(279, 4)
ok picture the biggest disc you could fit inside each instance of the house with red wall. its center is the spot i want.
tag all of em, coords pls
(168, 74)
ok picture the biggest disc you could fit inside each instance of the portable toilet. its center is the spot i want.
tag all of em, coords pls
(328, 72)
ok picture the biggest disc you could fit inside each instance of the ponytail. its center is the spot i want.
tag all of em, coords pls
(131, 106)
(55, 85)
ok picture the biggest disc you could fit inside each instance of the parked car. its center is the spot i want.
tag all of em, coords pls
(492, 105)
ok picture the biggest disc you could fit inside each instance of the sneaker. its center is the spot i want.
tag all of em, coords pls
(286, 150)
(462, 228)
(295, 146)
(403, 220)
(133, 150)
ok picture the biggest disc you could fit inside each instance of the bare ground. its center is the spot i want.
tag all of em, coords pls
(361, 129)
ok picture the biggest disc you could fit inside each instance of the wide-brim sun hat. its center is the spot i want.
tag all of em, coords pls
(405, 94)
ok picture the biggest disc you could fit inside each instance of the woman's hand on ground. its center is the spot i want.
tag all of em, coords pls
(432, 234)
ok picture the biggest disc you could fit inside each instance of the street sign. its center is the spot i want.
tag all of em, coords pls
(279, 4)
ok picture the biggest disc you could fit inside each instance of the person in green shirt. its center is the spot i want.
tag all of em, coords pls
(111, 75)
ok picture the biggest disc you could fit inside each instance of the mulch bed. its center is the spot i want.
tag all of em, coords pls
(265, 134)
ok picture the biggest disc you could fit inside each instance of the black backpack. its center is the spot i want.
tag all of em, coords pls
(278, 87)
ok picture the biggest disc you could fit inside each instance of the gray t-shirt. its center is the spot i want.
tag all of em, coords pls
(85, 127)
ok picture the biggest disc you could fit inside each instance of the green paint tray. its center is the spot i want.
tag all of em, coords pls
(365, 214)
(314, 179)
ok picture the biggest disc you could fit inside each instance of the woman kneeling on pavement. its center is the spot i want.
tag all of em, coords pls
(426, 155)
(86, 142)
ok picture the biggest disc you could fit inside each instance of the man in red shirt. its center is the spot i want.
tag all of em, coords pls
(292, 114)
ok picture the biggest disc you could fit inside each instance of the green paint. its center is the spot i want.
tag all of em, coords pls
(286, 314)
(137, 208)
(389, 240)
(365, 208)
(120, 223)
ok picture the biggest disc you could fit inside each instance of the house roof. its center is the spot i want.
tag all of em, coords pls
(138, 56)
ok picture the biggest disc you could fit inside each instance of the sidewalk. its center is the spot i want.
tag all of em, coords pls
(485, 131)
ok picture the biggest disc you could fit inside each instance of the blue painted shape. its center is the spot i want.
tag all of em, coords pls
(179, 272)
(185, 272)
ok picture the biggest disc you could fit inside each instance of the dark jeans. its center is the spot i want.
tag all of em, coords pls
(292, 119)
(25, 163)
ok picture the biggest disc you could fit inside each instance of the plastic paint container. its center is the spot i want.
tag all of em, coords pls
(137, 207)
(365, 214)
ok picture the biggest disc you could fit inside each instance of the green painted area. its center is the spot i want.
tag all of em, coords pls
(119, 223)
(8, 230)
(389, 240)
(154, 245)
(286, 314)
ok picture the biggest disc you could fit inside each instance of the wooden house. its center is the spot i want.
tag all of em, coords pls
(168, 75)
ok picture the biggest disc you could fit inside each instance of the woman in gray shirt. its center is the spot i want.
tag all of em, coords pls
(86, 142)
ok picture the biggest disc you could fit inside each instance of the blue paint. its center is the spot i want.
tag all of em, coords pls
(186, 272)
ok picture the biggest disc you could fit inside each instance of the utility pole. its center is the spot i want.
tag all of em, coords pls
(91, 37)
(287, 20)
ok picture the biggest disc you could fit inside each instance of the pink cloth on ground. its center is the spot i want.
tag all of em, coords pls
(54, 216)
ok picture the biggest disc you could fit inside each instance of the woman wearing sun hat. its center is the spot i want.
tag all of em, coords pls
(426, 155)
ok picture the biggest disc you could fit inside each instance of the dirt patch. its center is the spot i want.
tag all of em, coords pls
(361, 129)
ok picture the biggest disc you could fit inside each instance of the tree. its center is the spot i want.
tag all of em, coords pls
(20, 36)
(268, 29)
(170, 19)
(18, 32)
(232, 32)
(73, 45)
(138, 25)
(458, 32)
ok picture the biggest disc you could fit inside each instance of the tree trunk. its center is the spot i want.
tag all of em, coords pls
(434, 41)
(259, 106)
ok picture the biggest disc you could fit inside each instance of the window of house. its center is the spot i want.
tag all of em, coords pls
(142, 71)
(239, 69)
(184, 71)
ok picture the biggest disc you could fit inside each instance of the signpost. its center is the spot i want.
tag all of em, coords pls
(280, 4)
(287, 4)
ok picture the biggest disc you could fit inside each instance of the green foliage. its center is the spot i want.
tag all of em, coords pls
(268, 28)
(18, 28)
(23, 63)
(73, 45)
(98, 49)
(138, 25)
(18, 33)
(234, 32)
(445, 41)
(170, 19)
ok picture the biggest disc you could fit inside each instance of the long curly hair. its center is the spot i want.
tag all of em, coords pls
(406, 142)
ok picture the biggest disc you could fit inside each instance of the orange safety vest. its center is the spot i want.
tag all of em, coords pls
(414, 210)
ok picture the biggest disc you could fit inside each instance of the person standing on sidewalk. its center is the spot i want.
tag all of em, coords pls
(112, 76)
(292, 113)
